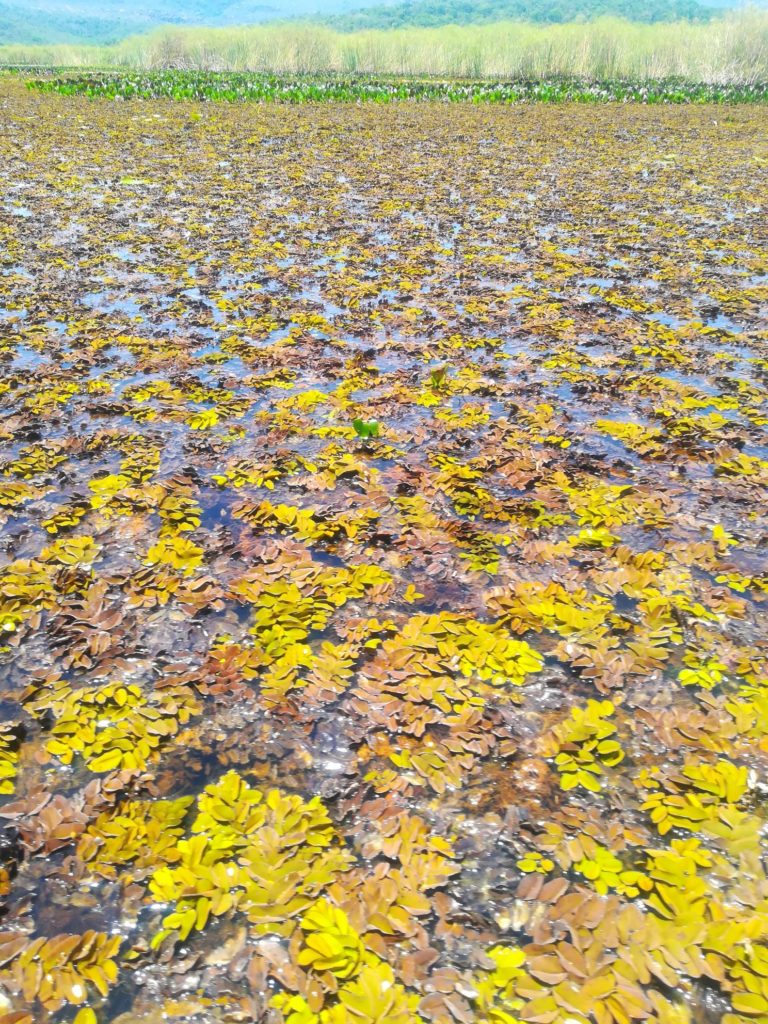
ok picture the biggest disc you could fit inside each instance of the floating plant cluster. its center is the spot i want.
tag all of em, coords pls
(382, 563)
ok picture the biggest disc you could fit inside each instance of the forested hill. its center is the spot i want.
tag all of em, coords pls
(107, 21)
(426, 13)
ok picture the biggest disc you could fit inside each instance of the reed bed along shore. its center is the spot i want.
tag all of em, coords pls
(730, 49)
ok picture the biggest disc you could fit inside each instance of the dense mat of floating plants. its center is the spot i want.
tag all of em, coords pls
(231, 87)
(382, 564)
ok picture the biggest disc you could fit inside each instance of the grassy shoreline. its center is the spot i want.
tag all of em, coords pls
(728, 50)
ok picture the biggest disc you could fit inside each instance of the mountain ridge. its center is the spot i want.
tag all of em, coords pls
(434, 13)
(81, 22)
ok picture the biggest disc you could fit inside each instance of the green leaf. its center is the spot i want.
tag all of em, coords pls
(366, 429)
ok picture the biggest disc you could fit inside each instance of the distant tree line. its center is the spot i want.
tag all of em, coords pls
(432, 13)
(16, 26)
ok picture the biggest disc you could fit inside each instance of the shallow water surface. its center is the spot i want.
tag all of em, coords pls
(465, 720)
